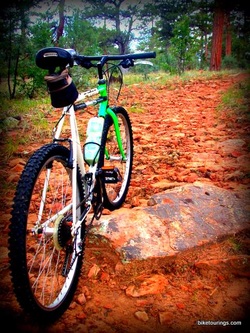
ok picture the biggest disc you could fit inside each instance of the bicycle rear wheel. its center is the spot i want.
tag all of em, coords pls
(117, 172)
(45, 260)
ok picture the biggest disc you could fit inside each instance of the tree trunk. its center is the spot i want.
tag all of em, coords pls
(218, 25)
(60, 27)
(228, 35)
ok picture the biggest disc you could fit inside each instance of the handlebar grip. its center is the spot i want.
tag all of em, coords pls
(145, 55)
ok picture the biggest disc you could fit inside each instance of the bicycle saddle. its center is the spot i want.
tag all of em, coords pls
(52, 57)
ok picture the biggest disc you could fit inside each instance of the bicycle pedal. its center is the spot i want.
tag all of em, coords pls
(111, 175)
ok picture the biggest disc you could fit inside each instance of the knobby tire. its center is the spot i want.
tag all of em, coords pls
(114, 195)
(45, 268)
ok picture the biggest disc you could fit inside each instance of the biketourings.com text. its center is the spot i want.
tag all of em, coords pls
(218, 323)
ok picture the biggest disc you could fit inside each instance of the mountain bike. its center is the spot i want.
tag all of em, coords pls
(65, 184)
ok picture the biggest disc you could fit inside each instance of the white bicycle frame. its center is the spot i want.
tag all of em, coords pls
(78, 161)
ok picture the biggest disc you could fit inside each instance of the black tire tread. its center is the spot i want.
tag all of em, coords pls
(108, 122)
(17, 231)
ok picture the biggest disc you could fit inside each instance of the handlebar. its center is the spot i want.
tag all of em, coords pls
(52, 57)
(132, 56)
(126, 59)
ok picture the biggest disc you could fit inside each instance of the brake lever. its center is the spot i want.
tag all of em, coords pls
(87, 64)
(126, 63)
(83, 62)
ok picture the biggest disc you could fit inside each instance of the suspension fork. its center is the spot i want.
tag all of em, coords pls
(112, 114)
(104, 109)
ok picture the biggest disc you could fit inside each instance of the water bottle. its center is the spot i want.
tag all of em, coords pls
(93, 141)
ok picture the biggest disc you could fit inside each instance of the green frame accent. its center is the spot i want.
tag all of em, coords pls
(105, 110)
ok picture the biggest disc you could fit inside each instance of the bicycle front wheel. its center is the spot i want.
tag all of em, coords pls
(45, 258)
(116, 170)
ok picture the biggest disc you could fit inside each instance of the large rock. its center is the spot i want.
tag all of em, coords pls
(179, 219)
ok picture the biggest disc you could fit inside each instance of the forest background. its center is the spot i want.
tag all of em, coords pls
(186, 35)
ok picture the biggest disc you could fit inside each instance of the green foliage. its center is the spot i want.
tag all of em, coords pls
(40, 35)
(181, 43)
(80, 35)
(169, 62)
(237, 101)
(178, 30)
(229, 62)
(19, 106)
(169, 12)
